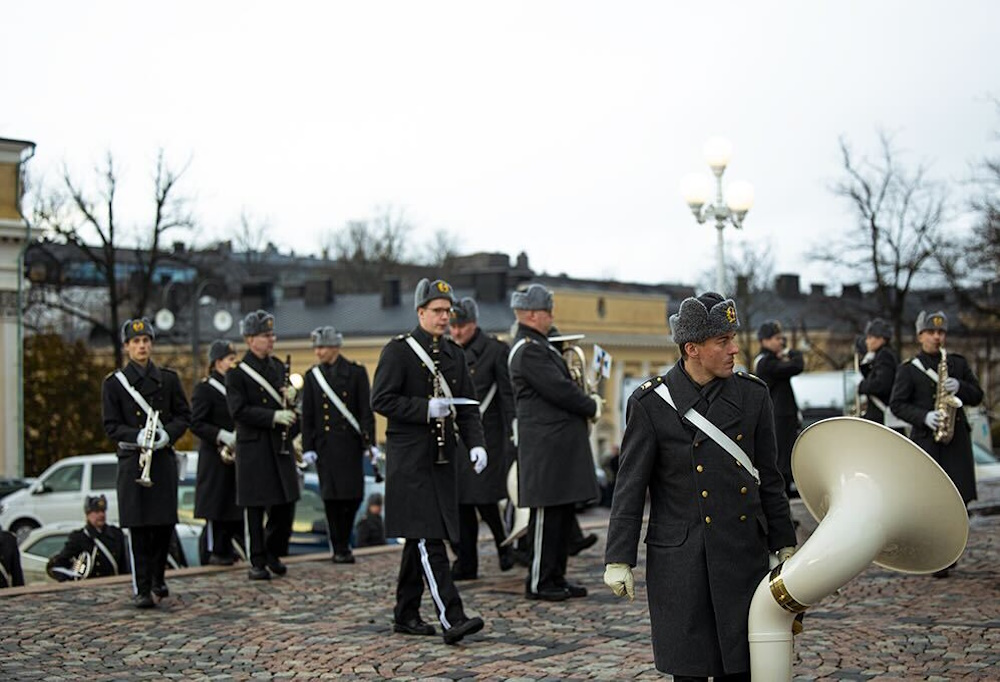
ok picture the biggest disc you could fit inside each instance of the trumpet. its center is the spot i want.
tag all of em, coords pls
(146, 448)
(83, 564)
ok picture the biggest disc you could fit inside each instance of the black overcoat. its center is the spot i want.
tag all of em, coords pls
(777, 372)
(421, 497)
(913, 396)
(340, 449)
(554, 461)
(10, 560)
(215, 487)
(879, 375)
(264, 476)
(487, 359)
(83, 541)
(123, 420)
(710, 524)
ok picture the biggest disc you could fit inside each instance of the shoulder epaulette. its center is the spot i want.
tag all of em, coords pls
(400, 337)
(167, 369)
(752, 377)
(647, 386)
(110, 374)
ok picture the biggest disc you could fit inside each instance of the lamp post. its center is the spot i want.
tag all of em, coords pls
(222, 321)
(697, 189)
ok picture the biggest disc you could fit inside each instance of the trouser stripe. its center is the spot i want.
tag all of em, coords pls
(432, 584)
(536, 558)
(131, 560)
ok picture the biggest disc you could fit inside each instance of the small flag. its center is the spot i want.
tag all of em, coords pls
(602, 362)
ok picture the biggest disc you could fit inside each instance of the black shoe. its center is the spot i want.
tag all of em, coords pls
(469, 626)
(161, 590)
(414, 626)
(259, 573)
(347, 558)
(216, 560)
(583, 543)
(143, 601)
(575, 591)
(506, 558)
(277, 567)
(549, 594)
(462, 575)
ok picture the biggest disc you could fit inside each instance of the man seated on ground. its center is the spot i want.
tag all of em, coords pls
(94, 551)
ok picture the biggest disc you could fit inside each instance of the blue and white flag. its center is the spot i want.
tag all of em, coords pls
(602, 362)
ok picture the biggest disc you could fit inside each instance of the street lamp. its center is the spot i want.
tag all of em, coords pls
(697, 190)
(222, 320)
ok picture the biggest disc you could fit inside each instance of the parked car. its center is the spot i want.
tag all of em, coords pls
(11, 485)
(987, 464)
(821, 395)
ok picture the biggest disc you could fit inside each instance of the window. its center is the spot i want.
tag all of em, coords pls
(48, 547)
(68, 479)
(103, 476)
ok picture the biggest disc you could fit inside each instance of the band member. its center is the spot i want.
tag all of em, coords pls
(878, 367)
(267, 481)
(487, 360)
(420, 381)
(131, 395)
(712, 522)
(215, 487)
(555, 465)
(95, 551)
(338, 429)
(776, 365)
(915, 396)
(11, 574)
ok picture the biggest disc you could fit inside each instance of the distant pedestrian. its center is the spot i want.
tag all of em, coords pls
(370, 530)
(776, 364)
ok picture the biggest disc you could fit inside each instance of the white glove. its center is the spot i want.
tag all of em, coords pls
(619, 578)
(374, 454)
(162, 438)
(290, 394)
(932, 419)
(310, 457)
(227, 437)
(951, 385)
(785, 553)
(479, 459)
(437, 408)
(597, 401)
(284, 417)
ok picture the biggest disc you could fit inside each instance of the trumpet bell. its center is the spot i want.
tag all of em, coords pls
(521, 516)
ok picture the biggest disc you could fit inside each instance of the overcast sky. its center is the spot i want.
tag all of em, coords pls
(562, 129)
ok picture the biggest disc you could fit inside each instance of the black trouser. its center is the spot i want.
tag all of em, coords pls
(735, 677)
(340, 523)
(217, 538)
(427, 560)
(786, 430)
(549, 531)
(467, 550)
(267, 543)
(150, 546)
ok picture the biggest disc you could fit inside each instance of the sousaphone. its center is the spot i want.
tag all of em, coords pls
(521, 516)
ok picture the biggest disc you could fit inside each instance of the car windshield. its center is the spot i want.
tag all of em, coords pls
(65, 479)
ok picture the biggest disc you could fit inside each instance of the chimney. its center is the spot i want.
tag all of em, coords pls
(257, 295)
(787, 286)
(851, 292)
(391, 287)
(742, 286)
(817, 290)
(318, 292)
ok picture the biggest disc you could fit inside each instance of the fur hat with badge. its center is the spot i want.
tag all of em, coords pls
(219, 349)
(878, 327)
(768, 329)
(326, 337)
(140, 326)
(927, 322)
(704, 317)
(465, 311)
(257, 322)
(428, 291)
(535, 297)
(95, 503)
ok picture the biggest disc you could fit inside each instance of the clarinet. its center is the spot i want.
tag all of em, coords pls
(285, 404)
(441, 422)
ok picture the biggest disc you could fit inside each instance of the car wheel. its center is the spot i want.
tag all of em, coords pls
(21, 529)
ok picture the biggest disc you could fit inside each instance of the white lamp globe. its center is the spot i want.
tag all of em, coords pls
(696, 188)
(739, 196)
(718, 152)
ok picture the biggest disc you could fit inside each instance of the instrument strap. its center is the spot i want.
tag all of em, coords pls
(432, 368)
(919, 365)
(104, 550)
(5, 574)
(517, 346)
(713, 432)
(485, 405)
(264, 383)
(136, 396)
(335, 399)
(217, 385)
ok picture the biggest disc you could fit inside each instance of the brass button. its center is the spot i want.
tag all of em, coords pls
(697, 444)
(743, 490)
(326, 428)
(708, 519)
(326, 418)
(699, 468)
(739, 436)
(743, 517)
(704, 493)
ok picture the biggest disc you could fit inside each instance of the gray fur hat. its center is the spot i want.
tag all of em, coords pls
(427, 291)
(257, 322)
(465, 311)
(702, 318)
(219, 349)
(930, 321)
(878, 327)
(326, 337)
(768, 329)
(140, 326)
(535, 297)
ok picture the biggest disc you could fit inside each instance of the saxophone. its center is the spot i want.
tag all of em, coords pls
(946, 404)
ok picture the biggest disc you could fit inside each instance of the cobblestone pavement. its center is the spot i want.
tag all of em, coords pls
(326, 621)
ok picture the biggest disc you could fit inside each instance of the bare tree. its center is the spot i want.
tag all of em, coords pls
(125, 258)
(444, 246)
(898, 228)
(252, 236)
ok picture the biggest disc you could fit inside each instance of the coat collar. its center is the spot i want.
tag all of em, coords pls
(136, 374)
(725, 409)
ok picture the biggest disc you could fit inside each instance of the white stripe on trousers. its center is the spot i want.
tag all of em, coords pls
(210, 537)
(432, 584)
(246, 533)
(131, 558)
(536, 560)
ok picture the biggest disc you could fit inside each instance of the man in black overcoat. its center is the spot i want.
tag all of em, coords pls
(711, 523)
(11, 574)
(267, 481)
(215, 486)
(776, 365)
(338, 430)
(150, 513)
(487, 359)
(914, 395)
(555, 467)
(878, 369)
(102, 544)
(418, 380)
